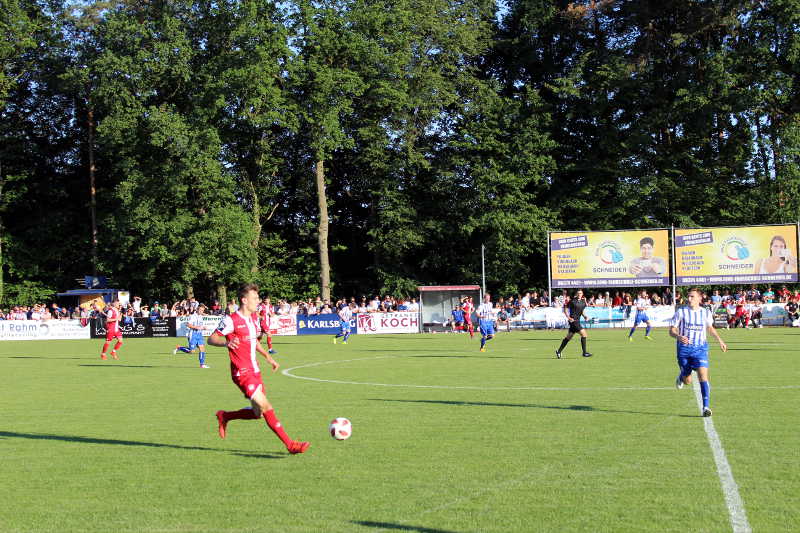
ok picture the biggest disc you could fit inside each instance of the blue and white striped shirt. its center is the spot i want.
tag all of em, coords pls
(195, 319)
(693, 324)
(345, 314)
(486, 311)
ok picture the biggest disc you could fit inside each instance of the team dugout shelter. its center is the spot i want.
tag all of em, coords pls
(436, 302)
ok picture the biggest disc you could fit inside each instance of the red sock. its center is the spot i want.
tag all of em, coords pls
(105, 348)
(269, 341)
(117, 346)
(275, 425)
(241, 414)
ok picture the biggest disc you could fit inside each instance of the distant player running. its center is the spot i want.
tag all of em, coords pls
(642, 304)
(574, 310)
(113, 331)
(487, 318)
(195, 336)
(689, 327)
(239, 333)
(265, 317)
(345, 315)
(468, 308)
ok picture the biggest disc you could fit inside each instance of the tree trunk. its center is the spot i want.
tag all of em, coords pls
(256, 222)
(92, 191)
(2, 284)
(324, 264)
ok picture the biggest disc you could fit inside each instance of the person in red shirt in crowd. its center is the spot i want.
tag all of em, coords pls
(240, 333)
(617, 300)
(784, 294)
(741, 316)
(113, 331)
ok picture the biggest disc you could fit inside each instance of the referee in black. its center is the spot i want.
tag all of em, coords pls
(574, 311)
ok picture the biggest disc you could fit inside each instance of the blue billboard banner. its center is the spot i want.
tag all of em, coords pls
(327, 324)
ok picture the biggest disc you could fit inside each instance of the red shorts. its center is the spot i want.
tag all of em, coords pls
(111, 336)
(249, 382)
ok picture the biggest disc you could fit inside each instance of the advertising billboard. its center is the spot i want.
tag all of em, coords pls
(730, 255)
(630, 258)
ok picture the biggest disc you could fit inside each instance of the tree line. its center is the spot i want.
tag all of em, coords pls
(354, 146)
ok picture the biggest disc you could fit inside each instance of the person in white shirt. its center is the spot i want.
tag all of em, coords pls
(642, 304)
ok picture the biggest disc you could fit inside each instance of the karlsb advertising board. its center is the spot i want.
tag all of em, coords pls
(754, 254)
(631, 258)
(327, 324)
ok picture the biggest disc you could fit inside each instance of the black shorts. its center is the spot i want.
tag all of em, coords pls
(575, 326)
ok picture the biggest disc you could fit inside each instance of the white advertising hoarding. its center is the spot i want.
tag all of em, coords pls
(400, 322)
(44, 330)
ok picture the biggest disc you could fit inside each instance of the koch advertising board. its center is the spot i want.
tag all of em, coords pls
(283, 325)
(327, 324)
(733, 255)
(629, 258)
(400, 322)
(20, 330)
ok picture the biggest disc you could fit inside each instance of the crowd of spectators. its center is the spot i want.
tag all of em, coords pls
(136, 308)
(507, 308)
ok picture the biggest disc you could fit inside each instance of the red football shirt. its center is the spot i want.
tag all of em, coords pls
(247, 330)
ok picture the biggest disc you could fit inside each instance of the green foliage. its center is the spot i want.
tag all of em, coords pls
(27, 293)
(443, 126)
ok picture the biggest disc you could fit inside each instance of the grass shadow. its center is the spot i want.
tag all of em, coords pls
(112, 365)
(39, 357)
(585, 408)
(118, 442)
(400, 527)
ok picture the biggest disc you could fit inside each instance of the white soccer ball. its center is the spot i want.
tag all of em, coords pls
(340, 428)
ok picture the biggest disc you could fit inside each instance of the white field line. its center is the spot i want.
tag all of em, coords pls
(730, 490)
(538, 471)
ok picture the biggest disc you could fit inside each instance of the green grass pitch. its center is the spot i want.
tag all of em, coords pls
(446, 439)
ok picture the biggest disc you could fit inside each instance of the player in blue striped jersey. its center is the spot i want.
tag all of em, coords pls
(345, 315)
(689, 327)
(195, 336)
(486, 318)
(642, 304)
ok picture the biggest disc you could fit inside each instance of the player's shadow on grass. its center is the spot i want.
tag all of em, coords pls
(527, 405)
(112, 365)
(38, 357)
(400, 527)
(463, 356)
(117, 442)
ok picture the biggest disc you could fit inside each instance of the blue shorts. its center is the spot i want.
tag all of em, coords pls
(641, 316)
(691, 356)
(486, 328)
(196, 339)
(344, 327)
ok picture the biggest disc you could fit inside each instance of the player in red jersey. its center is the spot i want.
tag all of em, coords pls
(265, 321)
(468, 308)
(113, 316)
(239, 333)
(742, 315)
